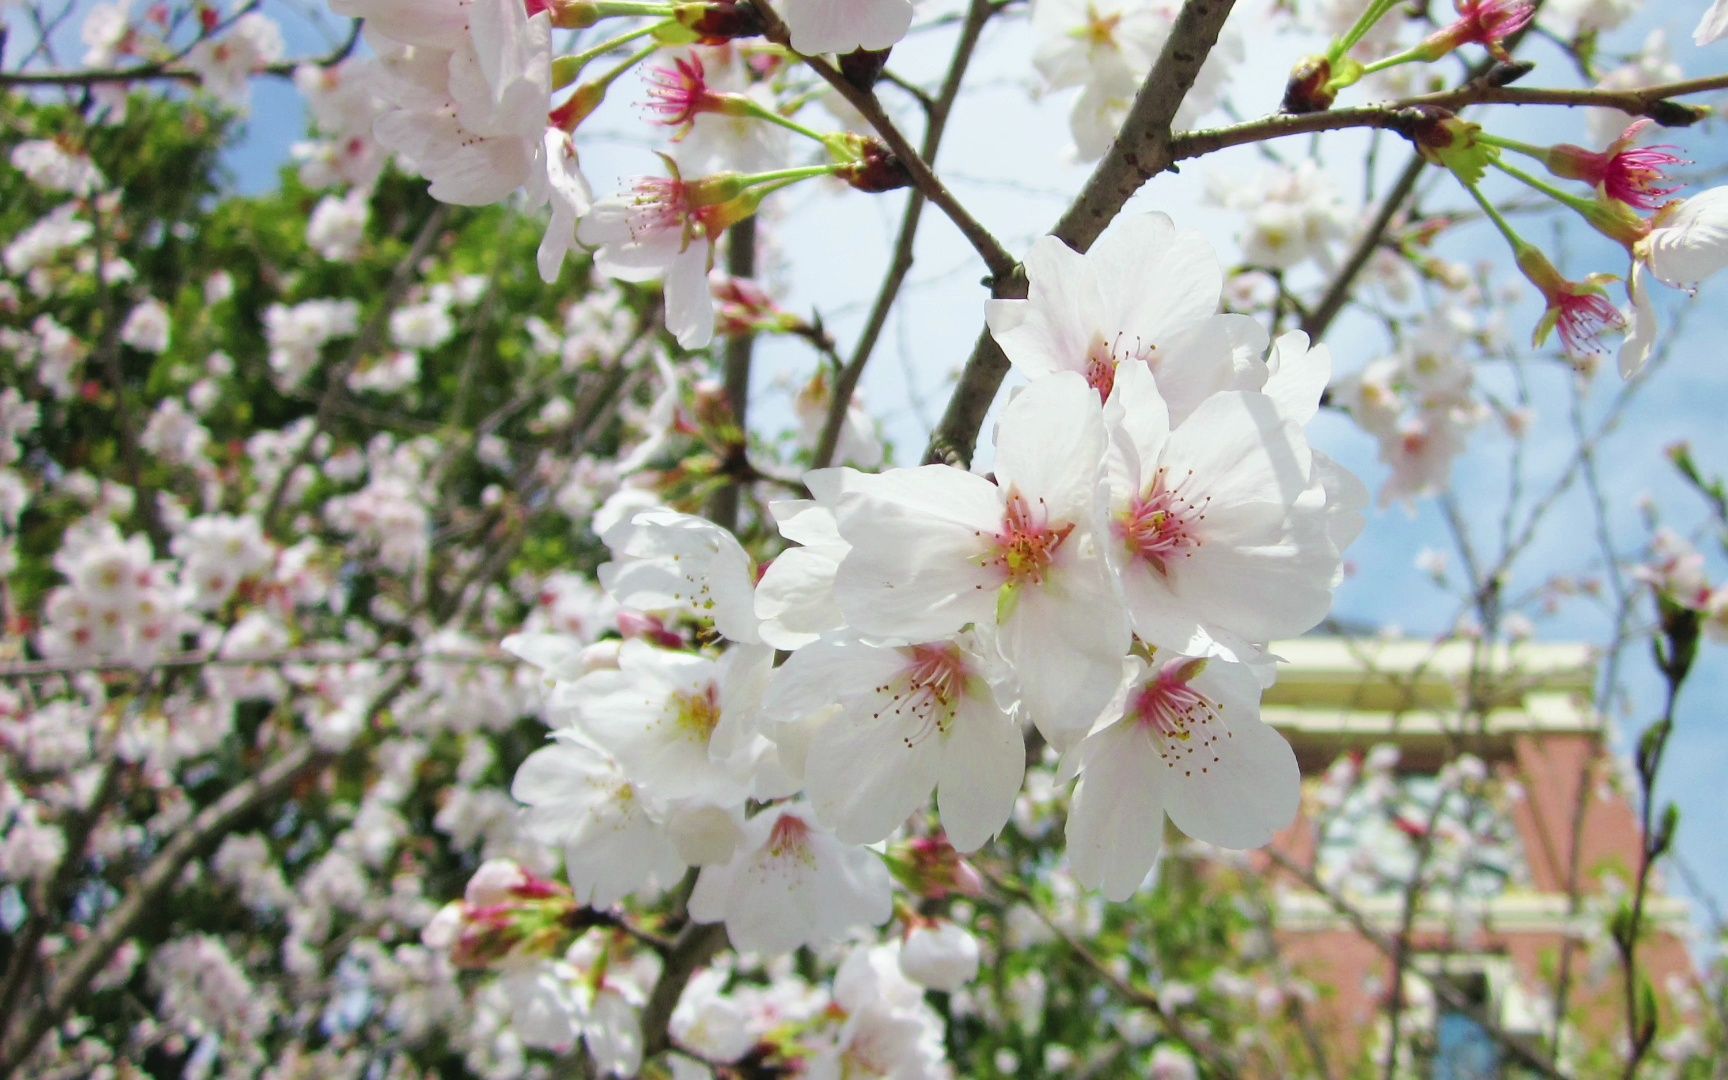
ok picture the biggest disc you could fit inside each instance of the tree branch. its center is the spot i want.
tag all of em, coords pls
(149, 892)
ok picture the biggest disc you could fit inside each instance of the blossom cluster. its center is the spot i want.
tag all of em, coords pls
(1156, 516)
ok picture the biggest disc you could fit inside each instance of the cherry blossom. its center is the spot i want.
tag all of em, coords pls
(1090, 313)
(581, 801)
(1687, 242)
(1631, 174)
(792, 884)
(682, 725)
(1186, 739)
(666, 228)
(1218, 539)
(909, 719)
(934, 549)
(840, 26)
(667, 561)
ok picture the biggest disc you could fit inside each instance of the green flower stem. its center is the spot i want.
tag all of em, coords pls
(610, 9)
(1364, 23)
(763, 112)
(1540, 153)
(577, 61)
(1583, 206)
(1506, 230)
(1414, 55)
(610, 77)
(783, 177)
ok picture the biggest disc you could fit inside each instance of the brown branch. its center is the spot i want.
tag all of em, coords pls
(996, 257)
(739, 351)
(695, 944)
(167, 70)
(45, 669)
(148, 893)
(1652, 101)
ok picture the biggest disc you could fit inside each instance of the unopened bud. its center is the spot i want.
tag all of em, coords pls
(862, 67)
(1310, 87)
(721, 20)
(874, 167)
(931, 868)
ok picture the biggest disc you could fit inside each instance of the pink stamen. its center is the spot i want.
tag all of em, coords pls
(1582, 319)
(679, 92)
(1186, 725)
(1162, 524)
(1489, 22)
(1026, 546)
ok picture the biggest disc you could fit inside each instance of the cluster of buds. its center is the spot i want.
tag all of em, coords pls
(930, 867)
(1316, 80)
(507, 913)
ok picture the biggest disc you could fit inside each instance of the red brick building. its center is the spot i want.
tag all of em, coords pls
(1518, 854)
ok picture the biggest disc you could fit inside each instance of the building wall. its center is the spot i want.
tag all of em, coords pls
(1573, 826)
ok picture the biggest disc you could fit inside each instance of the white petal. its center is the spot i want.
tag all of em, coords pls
(1050, 445)
(1249, 794)
(1116, 823)
(982, 766)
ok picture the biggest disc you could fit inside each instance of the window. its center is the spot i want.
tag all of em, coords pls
(1463, 1049)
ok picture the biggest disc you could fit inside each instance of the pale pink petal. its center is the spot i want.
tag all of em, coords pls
(1246, 796)
(1116, 822)
(982, 766)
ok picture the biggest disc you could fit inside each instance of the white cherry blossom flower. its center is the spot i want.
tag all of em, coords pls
(935, 548)
(146, 327)
(1186, 740)
(682, 725)
(1218, 529)
(472, 120)
(666, 228)
(665, 561)
(795, 596)
(1687, 243)
(580, 801)
(1090, 313)
(54, 167)
(910, 718)
(886, 1027)
(225, 64)
(438, 24)
(1689, 239)
(791, 884)
(338, 225)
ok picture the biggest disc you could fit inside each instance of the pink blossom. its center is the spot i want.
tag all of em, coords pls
(1632, 175)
